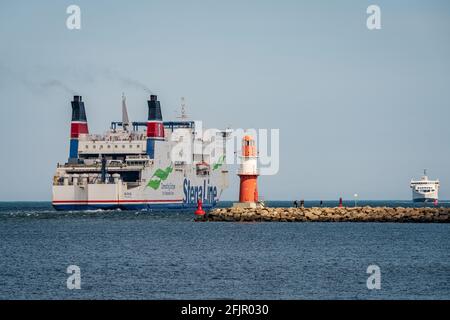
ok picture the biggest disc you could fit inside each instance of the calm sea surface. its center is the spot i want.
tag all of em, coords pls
(153, 255)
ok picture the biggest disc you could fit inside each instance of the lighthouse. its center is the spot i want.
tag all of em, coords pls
(248, 175)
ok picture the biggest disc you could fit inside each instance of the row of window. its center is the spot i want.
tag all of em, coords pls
(425, 190)
(138, 146)
(425, 182)
(135, 163)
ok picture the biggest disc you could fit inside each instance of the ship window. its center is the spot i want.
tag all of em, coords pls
(123, 146)
(130, 176)
(115, 146)
(202, 170)
(94, 146)
(109, 146)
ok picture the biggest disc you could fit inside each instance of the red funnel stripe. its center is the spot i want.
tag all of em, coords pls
(77, 128)
(155, 129)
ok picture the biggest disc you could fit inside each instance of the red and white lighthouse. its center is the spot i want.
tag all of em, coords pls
(248, 175)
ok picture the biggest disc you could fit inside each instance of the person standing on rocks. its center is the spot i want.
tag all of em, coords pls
(295, 204)
(302, 203)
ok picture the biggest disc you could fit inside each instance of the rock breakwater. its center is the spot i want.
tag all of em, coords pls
(322, 214)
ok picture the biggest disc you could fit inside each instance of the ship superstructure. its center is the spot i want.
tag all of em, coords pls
(425, 190)
(132, 166)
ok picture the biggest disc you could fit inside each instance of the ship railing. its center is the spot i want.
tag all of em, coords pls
(59, 181)
(113, 138)
(137, 157)
(97, 166)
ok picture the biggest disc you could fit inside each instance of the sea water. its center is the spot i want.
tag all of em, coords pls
(166, 255)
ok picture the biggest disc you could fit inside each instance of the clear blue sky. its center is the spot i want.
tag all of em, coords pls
(358, 110)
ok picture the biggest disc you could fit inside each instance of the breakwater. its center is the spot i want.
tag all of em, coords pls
(326, 214)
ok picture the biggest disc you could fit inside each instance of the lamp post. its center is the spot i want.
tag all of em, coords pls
(356, 199)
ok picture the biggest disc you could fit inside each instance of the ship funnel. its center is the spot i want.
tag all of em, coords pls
(78, 111)
(155, 126)
(78, 125)
(154, 109)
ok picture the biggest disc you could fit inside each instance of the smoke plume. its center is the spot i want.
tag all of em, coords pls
(59, 84)
(135, 84)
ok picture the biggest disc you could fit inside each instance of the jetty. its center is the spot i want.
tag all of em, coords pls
(328, 214)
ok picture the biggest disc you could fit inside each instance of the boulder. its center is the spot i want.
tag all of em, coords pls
(311, 216)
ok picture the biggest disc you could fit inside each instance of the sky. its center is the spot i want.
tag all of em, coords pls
(359, 111)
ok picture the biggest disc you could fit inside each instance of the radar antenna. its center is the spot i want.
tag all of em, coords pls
(183, 115)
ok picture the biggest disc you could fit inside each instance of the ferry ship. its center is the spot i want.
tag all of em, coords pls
(131, 167)
(425, 190)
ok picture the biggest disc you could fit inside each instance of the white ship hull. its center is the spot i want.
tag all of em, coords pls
(177, 192)
(420, 197)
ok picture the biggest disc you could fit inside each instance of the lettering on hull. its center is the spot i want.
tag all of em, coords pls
(206, 192)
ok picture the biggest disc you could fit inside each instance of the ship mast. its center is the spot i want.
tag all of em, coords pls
(425, 177)
(125, 119)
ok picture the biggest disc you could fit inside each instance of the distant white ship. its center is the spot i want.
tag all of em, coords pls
(425, 190)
